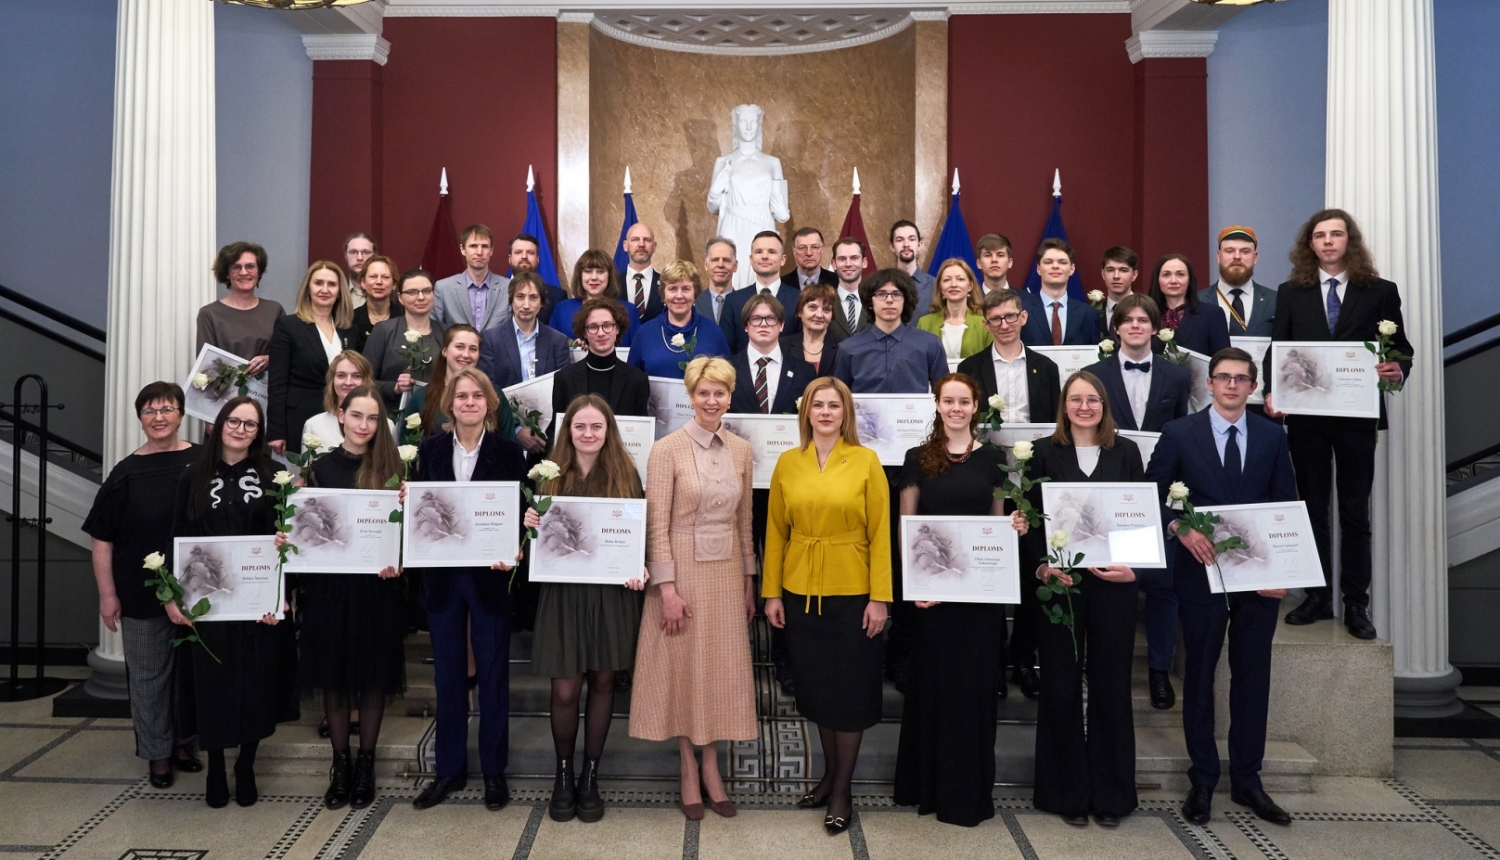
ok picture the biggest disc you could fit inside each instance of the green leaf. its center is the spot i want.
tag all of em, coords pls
(179, 641)
(293, 548)
(393, 482)
(163, 593)
(1043, 593)
(201, 608)
(395, 517)
(544, 505)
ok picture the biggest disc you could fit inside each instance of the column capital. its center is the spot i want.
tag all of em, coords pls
(346, 46)
(1174, 44)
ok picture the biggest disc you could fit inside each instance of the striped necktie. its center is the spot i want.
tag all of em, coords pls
(762, 393)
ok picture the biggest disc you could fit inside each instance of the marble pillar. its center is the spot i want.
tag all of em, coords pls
(1382, 169)
(573, 141)
(162, 217)
(931, 155)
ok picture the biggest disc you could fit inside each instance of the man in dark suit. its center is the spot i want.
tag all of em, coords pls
(524, 254)
(1226, 456)
(1335, 294)
(1145, 393)
(640, 283)
(1118, 271)
(1028, 382)
(766, 259)
(521, 348)
(1249, 307)
(1063, 320)
(807, 253)
(719, 264)
(850, 316)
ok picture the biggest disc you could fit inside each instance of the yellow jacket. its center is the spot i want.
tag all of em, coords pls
(976, 336)
(828, 532)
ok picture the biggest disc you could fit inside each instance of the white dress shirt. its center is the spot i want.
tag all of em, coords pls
(1221, 426)
(1138, 386)
(464, 461)
(646, 275)
(1010, 383)
(773, 369)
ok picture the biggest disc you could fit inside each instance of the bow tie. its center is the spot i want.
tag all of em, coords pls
(1142, 366)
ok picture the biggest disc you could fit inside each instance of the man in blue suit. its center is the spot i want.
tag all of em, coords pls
(1226, 456)
(521, 348)
(1063, 320)
(766, 259)
(1250, 307)
(640, 282)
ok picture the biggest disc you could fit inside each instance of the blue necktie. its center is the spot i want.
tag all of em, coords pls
(1333, 304)
(1232, 464)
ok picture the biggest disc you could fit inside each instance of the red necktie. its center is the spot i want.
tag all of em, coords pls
(1056, 326)
(762, 393)
(640, 294)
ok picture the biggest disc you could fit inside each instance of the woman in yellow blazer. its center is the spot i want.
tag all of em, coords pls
(955, 316)
(828, 554)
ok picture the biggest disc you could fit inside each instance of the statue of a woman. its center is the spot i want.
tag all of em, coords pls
(747, 192)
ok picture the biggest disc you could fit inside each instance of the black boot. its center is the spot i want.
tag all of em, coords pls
(216, 789)
(590, 804)
(363, 793)
(340, 781)
(245, 792)
(564, 802)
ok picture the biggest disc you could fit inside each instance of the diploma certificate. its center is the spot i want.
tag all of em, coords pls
(583, 539)
(960, 559)
(221, 368)
(1257, 347)
(238, 575)
(461, 524)
(637, 432)
(670, 404)
(1007, 435)
(1069, 359)
(1108, 523)
(769, 436)
(343, 531)
(1279, 550)
(889, 424)
(1144, 441)
(533, 395)
(1334, 378)
(1199, 397)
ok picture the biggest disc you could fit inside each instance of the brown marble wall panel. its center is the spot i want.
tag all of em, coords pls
(666, 115)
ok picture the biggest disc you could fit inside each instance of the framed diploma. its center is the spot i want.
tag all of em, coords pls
(953, 364)
(1069, 359)
(590, 540)
(461, 524)
(960, 560)
(216, 370)
(238, 575)
(1199, 397)
(670, 404)
(576, 353)
(1007, 435)
(1108, 523)
(1334, 378)
(889, 424)
(769, 436)
(1279, 550)
(533, 395)
(1144, 441)
(637, 432)
(1257, 347)
(344, 531)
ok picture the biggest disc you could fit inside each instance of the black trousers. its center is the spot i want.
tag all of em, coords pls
(1023, 631)
(1250, 623)
(902, 631)
(1077, 774)
(1316, 444)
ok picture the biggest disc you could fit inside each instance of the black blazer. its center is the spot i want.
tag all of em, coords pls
(500, 357)
(735, 304)
(1171, 386)
(1043, 388)
(795, 375)
(1301, 315)
(499, 460)
(629, 388)
(1262, 308)
(1204, 331)
(793, 280)
(653, 292)
(1120, 464)
(299, 369)
(791, 347)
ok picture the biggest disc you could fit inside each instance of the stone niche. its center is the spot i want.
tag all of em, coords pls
(665, 113)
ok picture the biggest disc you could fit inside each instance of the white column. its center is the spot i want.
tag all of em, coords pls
(1382, 168)
(162, 215)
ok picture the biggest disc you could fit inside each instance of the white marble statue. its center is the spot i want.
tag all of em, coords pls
(748, 191)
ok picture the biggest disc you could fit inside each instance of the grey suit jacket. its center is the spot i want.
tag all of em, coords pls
(451, 302)
(704, 304)
(1261, 304)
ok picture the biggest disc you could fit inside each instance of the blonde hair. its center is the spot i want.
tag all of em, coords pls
(362, 364)
(343, 307)
(848, 432)
(680, 270)
(939, 302)
(491, 398)
(711, 368)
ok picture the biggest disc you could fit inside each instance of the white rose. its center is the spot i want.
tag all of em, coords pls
(1022, 450)
(155, 560)
(1387, 328)
(799, 404)
(997, 402)
(282, 478)
(312, 441)
(1106, 346)
(679, 340)
(1096, 296)
(412, 335)
(413, 421)
(1177, 492)
(408, 453)
(545, 471)
(1166, 335)
(200, 381)
(1058, 539)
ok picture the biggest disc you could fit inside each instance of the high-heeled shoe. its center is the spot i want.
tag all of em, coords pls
(187, 764)
(835, 824)
(812, 801)
(723, 808)
(160, 780)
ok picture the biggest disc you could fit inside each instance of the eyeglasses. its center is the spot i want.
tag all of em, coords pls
(243, 267)
(764, 322)
(1085, 401)
(600, 328)
(1007, 319)
(888, 296)
(165, 411)
(237, 423)
(1237, 379)
(422, 294)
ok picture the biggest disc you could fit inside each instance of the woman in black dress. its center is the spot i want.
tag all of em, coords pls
(946, 759)
(1075, 775)
(229, 492)
(351, 624)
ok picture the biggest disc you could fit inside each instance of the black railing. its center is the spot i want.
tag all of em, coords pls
(53, 314)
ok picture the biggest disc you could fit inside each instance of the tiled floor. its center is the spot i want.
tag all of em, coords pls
(73, 789)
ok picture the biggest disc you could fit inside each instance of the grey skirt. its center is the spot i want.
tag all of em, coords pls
(582, 628)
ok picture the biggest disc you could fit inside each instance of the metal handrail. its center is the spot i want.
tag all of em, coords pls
(53, 314)
(1470, 330)
(47, 436)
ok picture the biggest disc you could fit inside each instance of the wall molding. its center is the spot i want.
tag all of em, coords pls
(610, 29)
(1171, 44)
(347, 46)
(491, 9)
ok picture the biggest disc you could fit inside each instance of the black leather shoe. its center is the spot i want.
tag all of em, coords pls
(1357, 619)
(1079, 820)
(187, 764)
(590, 804)
(1106, 819)
(1029, 680)
(363, 792)
(340, 781)
(437, 790)
(835, 824)
(812, 801)
(1260, 803)
(496, 792)
(1162, 694)
(783, 672)
(898, 672)
(1315, 608)
(564, 803)
(161, 780)
(1199, 804)
(245, 791)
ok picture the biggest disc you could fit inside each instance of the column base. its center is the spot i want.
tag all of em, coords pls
(1429, 697)
(104, 695)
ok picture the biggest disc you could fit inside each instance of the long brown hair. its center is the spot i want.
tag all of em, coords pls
(614, 471)
(207, 468)
(934, 456)
(849, 431)
(1063, 435)
(381, 459)
(1359, 267)
(354, 357)
(432, 402)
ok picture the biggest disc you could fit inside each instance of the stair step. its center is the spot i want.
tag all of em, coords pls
(1161, 757)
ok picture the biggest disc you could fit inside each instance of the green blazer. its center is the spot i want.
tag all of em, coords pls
(976, 336)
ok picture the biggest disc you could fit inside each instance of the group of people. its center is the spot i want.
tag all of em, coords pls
(818, 548)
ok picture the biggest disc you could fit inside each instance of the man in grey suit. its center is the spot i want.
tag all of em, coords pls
(906, 244)
(475, 296)
(1250, 307)
(850, 316)
(720, 262)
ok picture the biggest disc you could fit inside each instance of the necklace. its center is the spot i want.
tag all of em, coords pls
(679, 350)
(959, 458)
